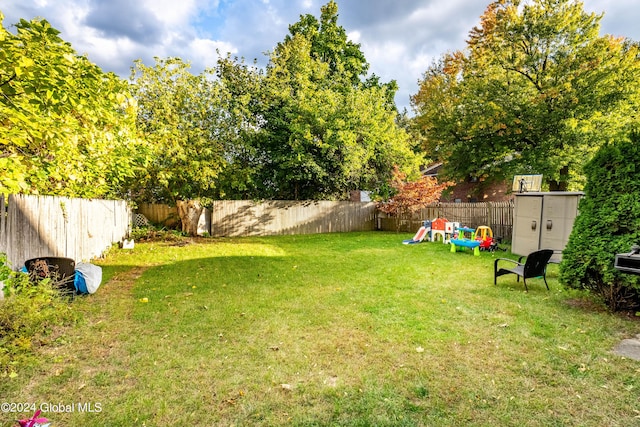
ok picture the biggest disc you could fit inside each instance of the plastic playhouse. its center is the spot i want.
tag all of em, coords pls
(438, 228)
(452, 233)
(434, 230)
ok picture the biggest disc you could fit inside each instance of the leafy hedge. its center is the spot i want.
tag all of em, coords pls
(608, 223)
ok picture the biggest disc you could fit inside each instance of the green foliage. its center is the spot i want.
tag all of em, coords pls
(312, 126)
(152, 234)
(537, 91)
(28, 313)
(67, 127)
(180, 115)
(5, 269)
(314, 129)
(245, 160)
(608, 223)
(329, 45)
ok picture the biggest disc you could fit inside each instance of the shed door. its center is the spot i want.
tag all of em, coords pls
(526, 224)
(558, 215)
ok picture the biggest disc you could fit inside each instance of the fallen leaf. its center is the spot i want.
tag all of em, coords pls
(419, 349)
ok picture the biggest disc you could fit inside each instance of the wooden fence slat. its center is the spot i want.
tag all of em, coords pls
(81, 229)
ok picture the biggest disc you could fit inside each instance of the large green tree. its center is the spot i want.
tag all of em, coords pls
(66, 128)
(245, 159)
(180, 115)
(322, 127)
(538, 90)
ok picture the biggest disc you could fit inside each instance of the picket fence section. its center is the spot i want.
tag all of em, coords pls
(39, 226)
(497, 215)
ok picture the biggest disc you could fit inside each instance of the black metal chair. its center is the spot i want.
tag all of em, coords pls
(534, 266)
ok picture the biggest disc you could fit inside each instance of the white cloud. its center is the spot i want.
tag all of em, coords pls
(203, 52)
(354, 36)
(400, 39)
(171, 12)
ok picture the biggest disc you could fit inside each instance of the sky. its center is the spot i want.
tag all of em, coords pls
(399, 38)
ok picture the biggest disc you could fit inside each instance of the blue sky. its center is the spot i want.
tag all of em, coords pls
(400, 38)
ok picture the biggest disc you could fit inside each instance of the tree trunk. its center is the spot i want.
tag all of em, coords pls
(189, 212)
(562, 183)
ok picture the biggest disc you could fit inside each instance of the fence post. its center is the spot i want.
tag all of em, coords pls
(489, 214)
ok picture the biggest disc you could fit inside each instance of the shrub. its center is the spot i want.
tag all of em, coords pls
(608, 223)
(152, 233)
(28, 313)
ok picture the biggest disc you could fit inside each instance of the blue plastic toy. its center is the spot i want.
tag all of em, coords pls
(465, 237)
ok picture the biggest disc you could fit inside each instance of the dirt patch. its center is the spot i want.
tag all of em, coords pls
(590, 305)
(586, 305)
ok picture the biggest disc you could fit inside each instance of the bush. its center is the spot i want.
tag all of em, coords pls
(608, 223)
(28, 313)
(154, 234)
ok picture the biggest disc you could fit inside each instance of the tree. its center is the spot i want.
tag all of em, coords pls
(67, 127)
(180, 115)
(537, 91)
(241, 85)
(411, 196)
(608, 223)
(324, 131)
(330, 45)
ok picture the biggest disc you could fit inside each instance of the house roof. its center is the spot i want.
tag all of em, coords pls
(432, 169)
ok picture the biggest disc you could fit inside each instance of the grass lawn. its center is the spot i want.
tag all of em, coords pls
(348, 329)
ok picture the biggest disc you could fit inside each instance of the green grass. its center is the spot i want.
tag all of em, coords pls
(346, 329)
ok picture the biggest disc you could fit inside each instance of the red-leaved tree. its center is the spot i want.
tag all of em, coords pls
(411, 196)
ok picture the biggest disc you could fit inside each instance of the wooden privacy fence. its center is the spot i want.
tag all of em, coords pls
(81, 229)
(247, 218)
(160, 214)
(497, 215)
(228, 218)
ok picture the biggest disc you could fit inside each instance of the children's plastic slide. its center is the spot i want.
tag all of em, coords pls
(419, 237)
